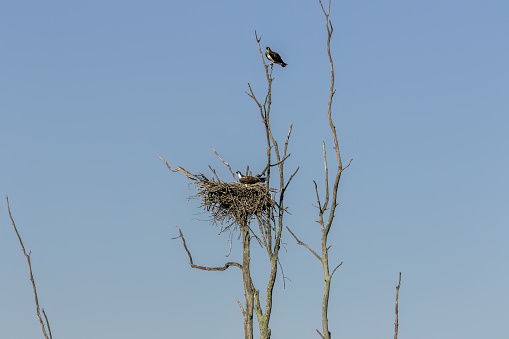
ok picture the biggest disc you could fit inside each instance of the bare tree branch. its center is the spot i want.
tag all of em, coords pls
(240, 305)
(273, 238)
(258, 39)
(344, 168)
(318, 198)
(341, 263)
(304, 244)
(276, 164)
(326, 202)
(178, 169)
(31, 275)
(224, 162)
(291, 177)
(215, 174)
(321, 335)
(283, 274)
(205, 268)
(47, 323)
(287, 140)
(252, 96)
(231, 243)
(396, 323)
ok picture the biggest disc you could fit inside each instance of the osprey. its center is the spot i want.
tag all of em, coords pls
(249, 180)
(274, 57)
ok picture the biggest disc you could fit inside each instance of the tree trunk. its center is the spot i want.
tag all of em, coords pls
(248, 289)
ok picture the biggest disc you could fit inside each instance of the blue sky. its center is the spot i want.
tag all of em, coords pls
(92, 92)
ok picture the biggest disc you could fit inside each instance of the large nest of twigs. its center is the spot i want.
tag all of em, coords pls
(235, 203)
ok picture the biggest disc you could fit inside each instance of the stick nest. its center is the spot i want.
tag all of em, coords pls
(235, 203)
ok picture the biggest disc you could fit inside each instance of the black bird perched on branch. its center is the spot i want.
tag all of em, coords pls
(274, 57)
(249, 180)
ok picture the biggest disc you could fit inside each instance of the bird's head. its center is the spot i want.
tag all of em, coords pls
(267, 49)
(239, 174)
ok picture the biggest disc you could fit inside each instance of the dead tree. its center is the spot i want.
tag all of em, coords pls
(231, 205)
(271, 228)
(235, 205)
(44, 323)
(327, 207)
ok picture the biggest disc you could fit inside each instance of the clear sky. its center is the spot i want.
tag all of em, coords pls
(91, 92)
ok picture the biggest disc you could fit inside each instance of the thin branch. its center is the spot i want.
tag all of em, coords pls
(263, 231)
(258, 39)
(276, 164)
(396, 323)
(344, 168)
(291, 177)
(205, 268)
(304, 244)
(260, 107)
(319, 204)
(287, 140)
(240, 305)
(178, 169)
(260, 242)
(31, 275)
(224, 162)
(215, 174)
(231, 243)
(341, 263)
(326, 178)
(283, 273)
(47, 323)
(321, 335)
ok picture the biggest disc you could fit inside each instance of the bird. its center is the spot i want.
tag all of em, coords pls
(249, 180)
(274, 57)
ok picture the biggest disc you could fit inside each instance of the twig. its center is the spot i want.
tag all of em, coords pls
(396, 323)
(260, 242)
(344, 168)
(276, 164)
(240, 305)
(47, 323)
(341, 263)
(179, 169)
(215, 174)
(283, 273)
(231, 243)
(258, 38)
(304, 244)
(260, 107)
(287, 140)
(31, 275)
(266, 234)
(205, 268)
(326, 203)
(224, 162)
(291, 177)
(319, 203)
(321, 335)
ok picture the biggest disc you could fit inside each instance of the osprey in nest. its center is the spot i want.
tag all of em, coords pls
(274, 57)
(249, 180)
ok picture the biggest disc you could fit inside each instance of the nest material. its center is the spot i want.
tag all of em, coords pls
(235, 203)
